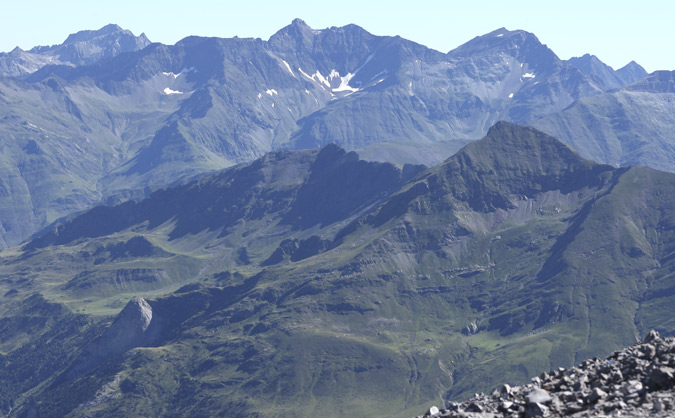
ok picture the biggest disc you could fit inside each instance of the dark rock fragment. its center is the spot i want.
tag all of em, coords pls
(536, 410)
(662, 378)
(474, 407)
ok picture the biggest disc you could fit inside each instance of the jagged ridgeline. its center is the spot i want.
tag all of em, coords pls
(108, 116)
(313, 283)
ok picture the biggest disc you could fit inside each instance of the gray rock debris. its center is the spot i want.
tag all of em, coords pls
(638, 381)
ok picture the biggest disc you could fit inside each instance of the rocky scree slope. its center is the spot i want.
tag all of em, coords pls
(638, 381)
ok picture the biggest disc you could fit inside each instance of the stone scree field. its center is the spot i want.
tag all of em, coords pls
(636, 381)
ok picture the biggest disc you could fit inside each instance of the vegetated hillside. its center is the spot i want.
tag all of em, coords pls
(361, 293)
(631, 125)
(113, 117)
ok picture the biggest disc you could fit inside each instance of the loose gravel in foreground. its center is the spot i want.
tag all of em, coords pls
(635, 382)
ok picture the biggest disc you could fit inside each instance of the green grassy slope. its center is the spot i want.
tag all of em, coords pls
(513, 257)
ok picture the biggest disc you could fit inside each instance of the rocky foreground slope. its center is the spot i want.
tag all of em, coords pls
(637, 381)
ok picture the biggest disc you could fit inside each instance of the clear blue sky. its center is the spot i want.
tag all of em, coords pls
(616, 31)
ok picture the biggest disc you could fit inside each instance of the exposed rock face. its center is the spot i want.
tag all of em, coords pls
(637, 381)
(82, 48)
(133, 327)
(107, 115)
(610, 79)
(612, 127)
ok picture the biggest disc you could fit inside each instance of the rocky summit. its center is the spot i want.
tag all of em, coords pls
(636, 381)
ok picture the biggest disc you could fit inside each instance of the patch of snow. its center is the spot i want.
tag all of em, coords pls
(344, 83)
(272, 104)
(500, 35)
(271, 92)
(521, 65)
(326, 81)
(511, 96)
(307, 91)
(183, 71)
(528, 75)
(168, 91)
(289, 68)
(304, 73)
(320, 78)
(317, 77)
(259, 95)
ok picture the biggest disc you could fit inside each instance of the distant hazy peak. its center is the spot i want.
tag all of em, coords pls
(499, 39)
(585, 60)
(522, 45)
(611, 79)
(109, 31)
(656, 82)
(86, 35)
(297, 22)
(593, 66)
(633, 66)
(300, 29)
(297, 29)
(631, 72)
(336, 48)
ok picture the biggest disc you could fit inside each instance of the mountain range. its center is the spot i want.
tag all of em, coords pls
(328, 222)
(108, 116)
(79, 49)
(289, 286)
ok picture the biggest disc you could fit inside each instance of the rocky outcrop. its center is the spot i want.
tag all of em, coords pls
(637, 381)
(135, 326)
